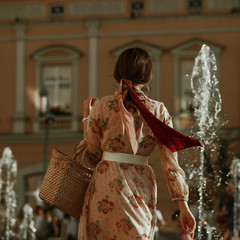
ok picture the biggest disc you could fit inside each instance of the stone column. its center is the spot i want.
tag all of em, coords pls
(75, 120)
(176, 84)
(93, 58)
(157, 76)
(176, 97)
(36, 95)
(19, 116)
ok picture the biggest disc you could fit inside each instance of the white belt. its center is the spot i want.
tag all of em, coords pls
(125, 158)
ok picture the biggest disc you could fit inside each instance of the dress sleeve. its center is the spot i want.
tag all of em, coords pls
(173, 174)
(94, 133)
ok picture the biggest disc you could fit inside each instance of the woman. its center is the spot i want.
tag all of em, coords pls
(120, 202)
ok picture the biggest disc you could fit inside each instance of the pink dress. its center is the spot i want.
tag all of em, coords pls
(120, 202)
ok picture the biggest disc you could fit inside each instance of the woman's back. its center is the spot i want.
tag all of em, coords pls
(121, 199)
(105, 121)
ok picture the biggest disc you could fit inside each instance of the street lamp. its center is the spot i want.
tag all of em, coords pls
(48, 118)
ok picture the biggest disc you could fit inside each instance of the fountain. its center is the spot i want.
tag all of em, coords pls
(27, 229)
(10, 226)
(207, 112)
(8, 166)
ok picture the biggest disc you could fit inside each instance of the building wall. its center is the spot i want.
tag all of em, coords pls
(96, 29)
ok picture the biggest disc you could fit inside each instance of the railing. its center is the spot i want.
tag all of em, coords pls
(60, 123)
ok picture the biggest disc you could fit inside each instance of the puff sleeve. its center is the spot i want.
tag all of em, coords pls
(173, 174)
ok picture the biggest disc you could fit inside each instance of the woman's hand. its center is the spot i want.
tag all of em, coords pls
(186, 218)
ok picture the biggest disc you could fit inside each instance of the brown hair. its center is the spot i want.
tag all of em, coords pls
(134, 64)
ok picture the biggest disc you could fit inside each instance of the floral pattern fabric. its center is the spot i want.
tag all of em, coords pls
(120, 202)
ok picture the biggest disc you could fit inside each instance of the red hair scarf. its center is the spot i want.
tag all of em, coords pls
(166, 135)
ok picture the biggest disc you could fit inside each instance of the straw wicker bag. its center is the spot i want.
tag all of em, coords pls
(66, 181)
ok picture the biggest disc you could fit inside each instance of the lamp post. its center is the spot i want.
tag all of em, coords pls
(48, 118)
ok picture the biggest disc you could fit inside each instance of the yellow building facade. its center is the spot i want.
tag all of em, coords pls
(70, 47)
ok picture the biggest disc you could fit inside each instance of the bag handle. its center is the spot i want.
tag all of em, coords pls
(81, 149)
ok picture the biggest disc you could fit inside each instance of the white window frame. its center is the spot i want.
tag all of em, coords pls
(40, 58)
(56, 82)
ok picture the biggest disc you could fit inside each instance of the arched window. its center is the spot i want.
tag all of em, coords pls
(57, 71)
(184, 57)
(155, 53)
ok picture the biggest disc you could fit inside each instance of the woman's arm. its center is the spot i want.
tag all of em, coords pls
(175, 179)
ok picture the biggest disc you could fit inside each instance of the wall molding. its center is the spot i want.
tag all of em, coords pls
(169, 17)
(126, 34)
(223, 4)
(166, 5)
(96, 8)
(22, 11)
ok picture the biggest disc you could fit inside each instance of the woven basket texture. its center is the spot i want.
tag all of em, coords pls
(65, 184)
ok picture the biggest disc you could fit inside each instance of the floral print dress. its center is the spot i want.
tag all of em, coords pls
(120, 202)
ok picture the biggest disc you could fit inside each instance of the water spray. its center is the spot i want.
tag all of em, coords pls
(207, 111)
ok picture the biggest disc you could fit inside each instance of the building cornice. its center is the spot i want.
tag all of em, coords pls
(127, 34)
(124, 19)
